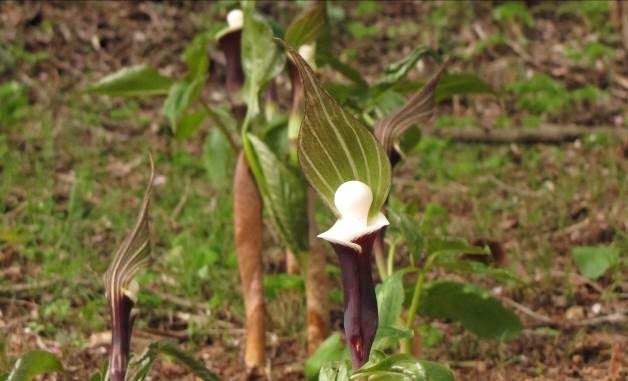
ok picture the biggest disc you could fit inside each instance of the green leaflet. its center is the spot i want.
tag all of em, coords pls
(455, 263)
(390, 297)
(284, 193)
(461, 84)
(331, 351)
(189, 123)
(218, 159)
(398, 70)
(184, 122)
(180, 97)
(470, 305)
(133, 81)
(307, 27)
(140, 366)
(408, 227)
(261, 57)
(593, 262)
(195, 55)
(403, 367)
(334, 147)
(336, 371)
(33, 364)
(436, 372)
(444, 246)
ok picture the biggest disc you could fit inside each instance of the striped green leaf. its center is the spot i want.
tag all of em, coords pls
(335, 147)
(402, 366)
(284, 193)
(132, 254)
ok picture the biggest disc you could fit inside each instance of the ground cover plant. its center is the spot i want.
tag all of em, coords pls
(532, 230)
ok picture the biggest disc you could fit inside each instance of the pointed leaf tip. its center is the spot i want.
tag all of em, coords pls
(133, 81)
(134, 251)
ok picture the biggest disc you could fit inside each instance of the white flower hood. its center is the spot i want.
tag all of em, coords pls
(353, 200)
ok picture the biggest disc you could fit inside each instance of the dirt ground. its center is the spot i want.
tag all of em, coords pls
(575, 328)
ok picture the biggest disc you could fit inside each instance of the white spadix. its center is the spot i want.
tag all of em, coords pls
(307, 51)
(353, 200)
(235, 19)
(235, 22)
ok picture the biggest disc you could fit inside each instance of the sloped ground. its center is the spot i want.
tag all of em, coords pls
(72, 169)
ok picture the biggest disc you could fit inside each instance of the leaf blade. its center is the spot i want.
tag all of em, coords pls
(390, 297)
(141, 365)
(335, 147)
(593, 262)
(180, 97)
(404, 367)
(284, 194)
(133, 81)
(332, 349)
(469, 305)
(261, 57)
(461, 84)
(33, 364)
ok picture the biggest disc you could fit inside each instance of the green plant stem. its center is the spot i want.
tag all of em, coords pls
(414, 307)
(221, 126)
(378, 251)
(391, 258)
(249, 153)
(416, 301)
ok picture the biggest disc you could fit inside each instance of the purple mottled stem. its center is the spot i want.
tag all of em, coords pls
(122, 325)
(360, 318)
